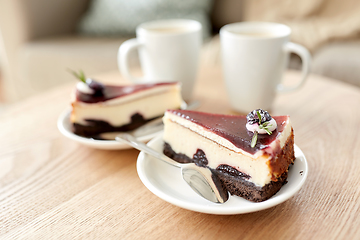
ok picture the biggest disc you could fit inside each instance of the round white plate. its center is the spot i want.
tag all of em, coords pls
(64, 126)
(166, 182)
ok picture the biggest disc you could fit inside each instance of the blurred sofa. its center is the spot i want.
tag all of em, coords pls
(40, 41)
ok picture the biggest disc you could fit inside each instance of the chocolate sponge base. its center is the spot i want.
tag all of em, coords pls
(248, 190)
(95, 127)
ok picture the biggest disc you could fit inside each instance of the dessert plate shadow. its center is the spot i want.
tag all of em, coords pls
(64, 126)
(165, 181)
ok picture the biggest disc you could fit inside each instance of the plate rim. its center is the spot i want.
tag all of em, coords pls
(213, 208)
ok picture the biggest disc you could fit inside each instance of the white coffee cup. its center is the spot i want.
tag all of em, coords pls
(254, 58)
(168, 50)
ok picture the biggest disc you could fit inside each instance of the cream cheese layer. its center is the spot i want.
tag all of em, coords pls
(149, 103)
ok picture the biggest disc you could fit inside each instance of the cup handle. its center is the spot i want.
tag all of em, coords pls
(306, 63)
(123, 58)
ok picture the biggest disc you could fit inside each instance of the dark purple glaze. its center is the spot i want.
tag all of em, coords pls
(233, 128)
(113, 91)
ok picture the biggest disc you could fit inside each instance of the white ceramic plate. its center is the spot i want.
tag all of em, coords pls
(64, 126)
(166, 182)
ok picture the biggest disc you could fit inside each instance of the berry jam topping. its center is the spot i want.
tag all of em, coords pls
(200, 158)
(95, 85)
(253, 117)
(260, 122)
(88, 86)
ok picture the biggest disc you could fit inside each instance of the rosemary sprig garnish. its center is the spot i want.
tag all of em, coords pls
(80, 75)
(254, 139)
(264, 126)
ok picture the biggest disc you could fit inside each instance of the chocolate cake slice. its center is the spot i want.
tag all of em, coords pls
(251, 156)
(98, 108)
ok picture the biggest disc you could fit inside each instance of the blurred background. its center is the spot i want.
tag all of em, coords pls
(41, 39)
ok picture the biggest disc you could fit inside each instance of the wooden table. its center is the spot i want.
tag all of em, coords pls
(52, 187)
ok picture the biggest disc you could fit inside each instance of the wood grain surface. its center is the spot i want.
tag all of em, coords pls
(54, 188)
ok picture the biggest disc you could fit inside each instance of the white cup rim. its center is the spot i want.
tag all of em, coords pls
(188, 24)
(235, 30)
